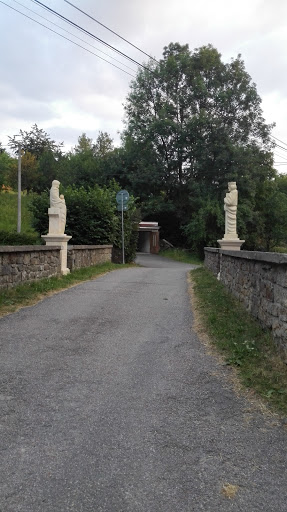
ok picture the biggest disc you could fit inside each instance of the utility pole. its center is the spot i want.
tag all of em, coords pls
(19, 189)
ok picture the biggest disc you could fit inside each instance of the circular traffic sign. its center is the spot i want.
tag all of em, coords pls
(122, 196)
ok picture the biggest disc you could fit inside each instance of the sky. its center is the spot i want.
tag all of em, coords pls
(64, 89)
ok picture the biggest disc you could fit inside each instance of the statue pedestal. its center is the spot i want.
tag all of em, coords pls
(56, 224)
(62, 240)
(230, 244)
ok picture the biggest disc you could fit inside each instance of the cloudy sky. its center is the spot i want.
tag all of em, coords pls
(66, 90)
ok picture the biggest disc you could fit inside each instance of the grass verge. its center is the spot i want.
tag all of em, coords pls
(29, 293)
(181, 255)
(240, 339)
(8, 212)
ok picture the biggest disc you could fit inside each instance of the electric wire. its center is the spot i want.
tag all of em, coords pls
(281, 156)
(70, 33)
(281, 147)
(279, 140)
(110, 30)
(64, 37)
(89, 34)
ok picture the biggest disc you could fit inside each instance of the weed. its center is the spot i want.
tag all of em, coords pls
(181, 255)
(241, 340)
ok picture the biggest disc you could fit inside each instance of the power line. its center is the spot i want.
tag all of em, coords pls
(280, 156)
(110, 30)
(278, 146)
(64, 37)
(279, 140)
(89, 33)
(83, 40)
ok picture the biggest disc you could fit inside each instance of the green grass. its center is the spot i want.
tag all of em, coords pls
(29, 293)
(8, 212)
(280, 249)
(240, 339)
(181, 255)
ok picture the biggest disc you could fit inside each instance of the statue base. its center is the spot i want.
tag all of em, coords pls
(62, 241)
(230, 244)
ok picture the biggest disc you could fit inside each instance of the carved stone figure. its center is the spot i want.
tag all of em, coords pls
(230, 207)
(57, 202)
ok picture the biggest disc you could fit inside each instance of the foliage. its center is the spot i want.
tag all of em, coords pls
(84, 144)
(131, 221)
(92, 217)
(273, 223)
(36, 141)
(193, 123)
(240, 339)
(103, 145)
(181, 255)
(6, 162)
(29, 172)
(38, 207)
(8, 213)
(14, 238)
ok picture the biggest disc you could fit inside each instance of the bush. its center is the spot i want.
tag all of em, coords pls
(92, 217)
(13, 238)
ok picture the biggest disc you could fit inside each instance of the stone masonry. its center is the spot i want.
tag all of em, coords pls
(27, 263)
(259, 280)
(86, 255)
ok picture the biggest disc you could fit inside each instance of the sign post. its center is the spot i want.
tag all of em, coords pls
(122, 201)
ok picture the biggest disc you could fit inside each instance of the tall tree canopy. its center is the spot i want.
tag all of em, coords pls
(193, 123)
(36, 141)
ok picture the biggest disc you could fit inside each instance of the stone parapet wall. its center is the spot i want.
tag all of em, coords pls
(259, 280)
(87, 255)
(24, 263)
(212, 259)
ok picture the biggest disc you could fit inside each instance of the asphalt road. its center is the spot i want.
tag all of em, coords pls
(110, 403)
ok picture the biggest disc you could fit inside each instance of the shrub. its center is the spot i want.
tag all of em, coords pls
(92, 217)
(13, 238)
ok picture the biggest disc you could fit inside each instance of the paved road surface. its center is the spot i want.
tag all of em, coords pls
(111, 404)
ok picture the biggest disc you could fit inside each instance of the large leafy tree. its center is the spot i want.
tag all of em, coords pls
(40, 155)
(6, 162)
(193, 123)
(36, 141)
(29, 172)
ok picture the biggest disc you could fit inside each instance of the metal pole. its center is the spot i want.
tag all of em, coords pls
(123, 233)
(19, 190)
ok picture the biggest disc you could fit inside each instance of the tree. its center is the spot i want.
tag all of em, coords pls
(84, 144)
(272, 204)
(103, 145)
(6, 162)
(36, 141)
(193, 123)
(29, 172)
(45, 152)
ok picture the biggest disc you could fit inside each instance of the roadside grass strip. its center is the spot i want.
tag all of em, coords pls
(26, 294)
(181, 255)
(240, 340)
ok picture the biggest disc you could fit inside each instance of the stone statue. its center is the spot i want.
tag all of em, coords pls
(230, 241)
(58, 201)
(57, 223)
(230, 207)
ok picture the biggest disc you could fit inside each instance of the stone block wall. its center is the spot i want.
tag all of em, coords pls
(87, 255)
(212, 259)
(19, 264)
(259, 280)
